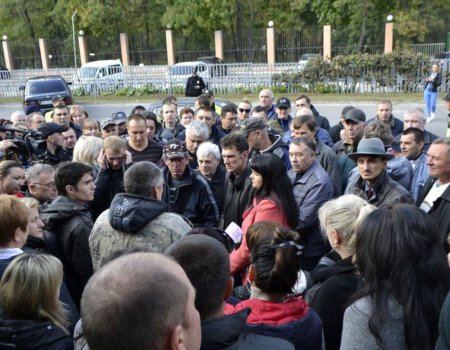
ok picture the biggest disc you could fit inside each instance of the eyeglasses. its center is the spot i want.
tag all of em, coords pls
(49, 185)
(283, 108)
(242, 110)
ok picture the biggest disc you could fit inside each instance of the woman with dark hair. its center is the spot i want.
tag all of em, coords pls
(275, 254)
(273, 201)
(406, 278)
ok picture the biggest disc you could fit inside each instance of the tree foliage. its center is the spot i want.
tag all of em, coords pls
(24, 20)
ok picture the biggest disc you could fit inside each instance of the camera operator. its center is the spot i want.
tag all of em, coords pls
(5, 145)
(54, 153)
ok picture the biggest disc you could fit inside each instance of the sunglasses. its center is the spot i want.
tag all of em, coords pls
(242, 110)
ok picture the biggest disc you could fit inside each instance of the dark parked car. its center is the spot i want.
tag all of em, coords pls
(218, 65)
(41, 90)
(4, 73)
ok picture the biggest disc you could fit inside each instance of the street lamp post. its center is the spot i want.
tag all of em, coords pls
(74, 42)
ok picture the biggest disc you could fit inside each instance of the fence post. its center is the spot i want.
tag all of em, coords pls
(124, 49)
(327, 42)
(389, 34)
(8, 54)
(83, 47)
(270, 43)
(218, 43)
(170, 46)
(43, 48)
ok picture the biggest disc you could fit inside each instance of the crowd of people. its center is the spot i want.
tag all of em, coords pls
(240, 227)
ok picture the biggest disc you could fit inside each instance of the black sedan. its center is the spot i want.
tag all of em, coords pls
(41, 90)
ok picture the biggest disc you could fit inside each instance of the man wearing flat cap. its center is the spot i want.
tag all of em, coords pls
(52, 134)
(186, 192)
(261, 141)
(373, 183)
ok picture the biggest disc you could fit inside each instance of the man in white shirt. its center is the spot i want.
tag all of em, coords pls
(435, 197)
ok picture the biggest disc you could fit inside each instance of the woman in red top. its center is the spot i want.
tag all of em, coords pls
(273, 201)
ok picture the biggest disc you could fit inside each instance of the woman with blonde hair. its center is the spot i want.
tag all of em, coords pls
(78, 115)
(12, 177)
(336, 281)
(91, 127)
(87, 150)
(32, 315)
(35, 239)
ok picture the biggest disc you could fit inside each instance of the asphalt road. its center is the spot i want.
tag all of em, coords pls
(328, 109)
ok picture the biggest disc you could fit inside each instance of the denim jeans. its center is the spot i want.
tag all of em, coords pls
(430, 101)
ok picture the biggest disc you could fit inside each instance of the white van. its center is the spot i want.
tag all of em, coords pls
(99, 76)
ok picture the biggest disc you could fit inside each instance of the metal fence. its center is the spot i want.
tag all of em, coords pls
(430, 50)
(240, 78)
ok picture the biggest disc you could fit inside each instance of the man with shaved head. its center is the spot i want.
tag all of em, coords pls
(415, 118)
(140, 301)
(266, 101)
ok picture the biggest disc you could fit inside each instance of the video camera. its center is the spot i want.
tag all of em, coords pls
(29, 144)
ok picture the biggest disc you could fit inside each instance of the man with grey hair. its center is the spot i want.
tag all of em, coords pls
(197, 132)
(208, 155)
(415, 118)
(136, 218)
(35, 120)
(18, 117)
(434, 198)
(41, 182)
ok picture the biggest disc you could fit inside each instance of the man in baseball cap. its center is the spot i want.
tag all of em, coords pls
(120, 118)
(261, 141)
(187, 192)
(373, 183)
(54, 153)
(108, 127)
(283, 116)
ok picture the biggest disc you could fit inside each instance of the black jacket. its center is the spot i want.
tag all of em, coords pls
(435, 83)
(194, 86)
(33, 335)
(330, 295)
(439, 212)
(321, 120)
(64, 295)
(228, 332)
(335, 132)
(194, 200)
(238, 197)
(107, 184)
(68, 226)
(217, 185)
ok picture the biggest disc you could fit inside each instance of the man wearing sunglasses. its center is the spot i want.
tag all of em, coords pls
(244, 109)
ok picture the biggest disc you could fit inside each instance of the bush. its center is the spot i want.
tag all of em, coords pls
(398, 70)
